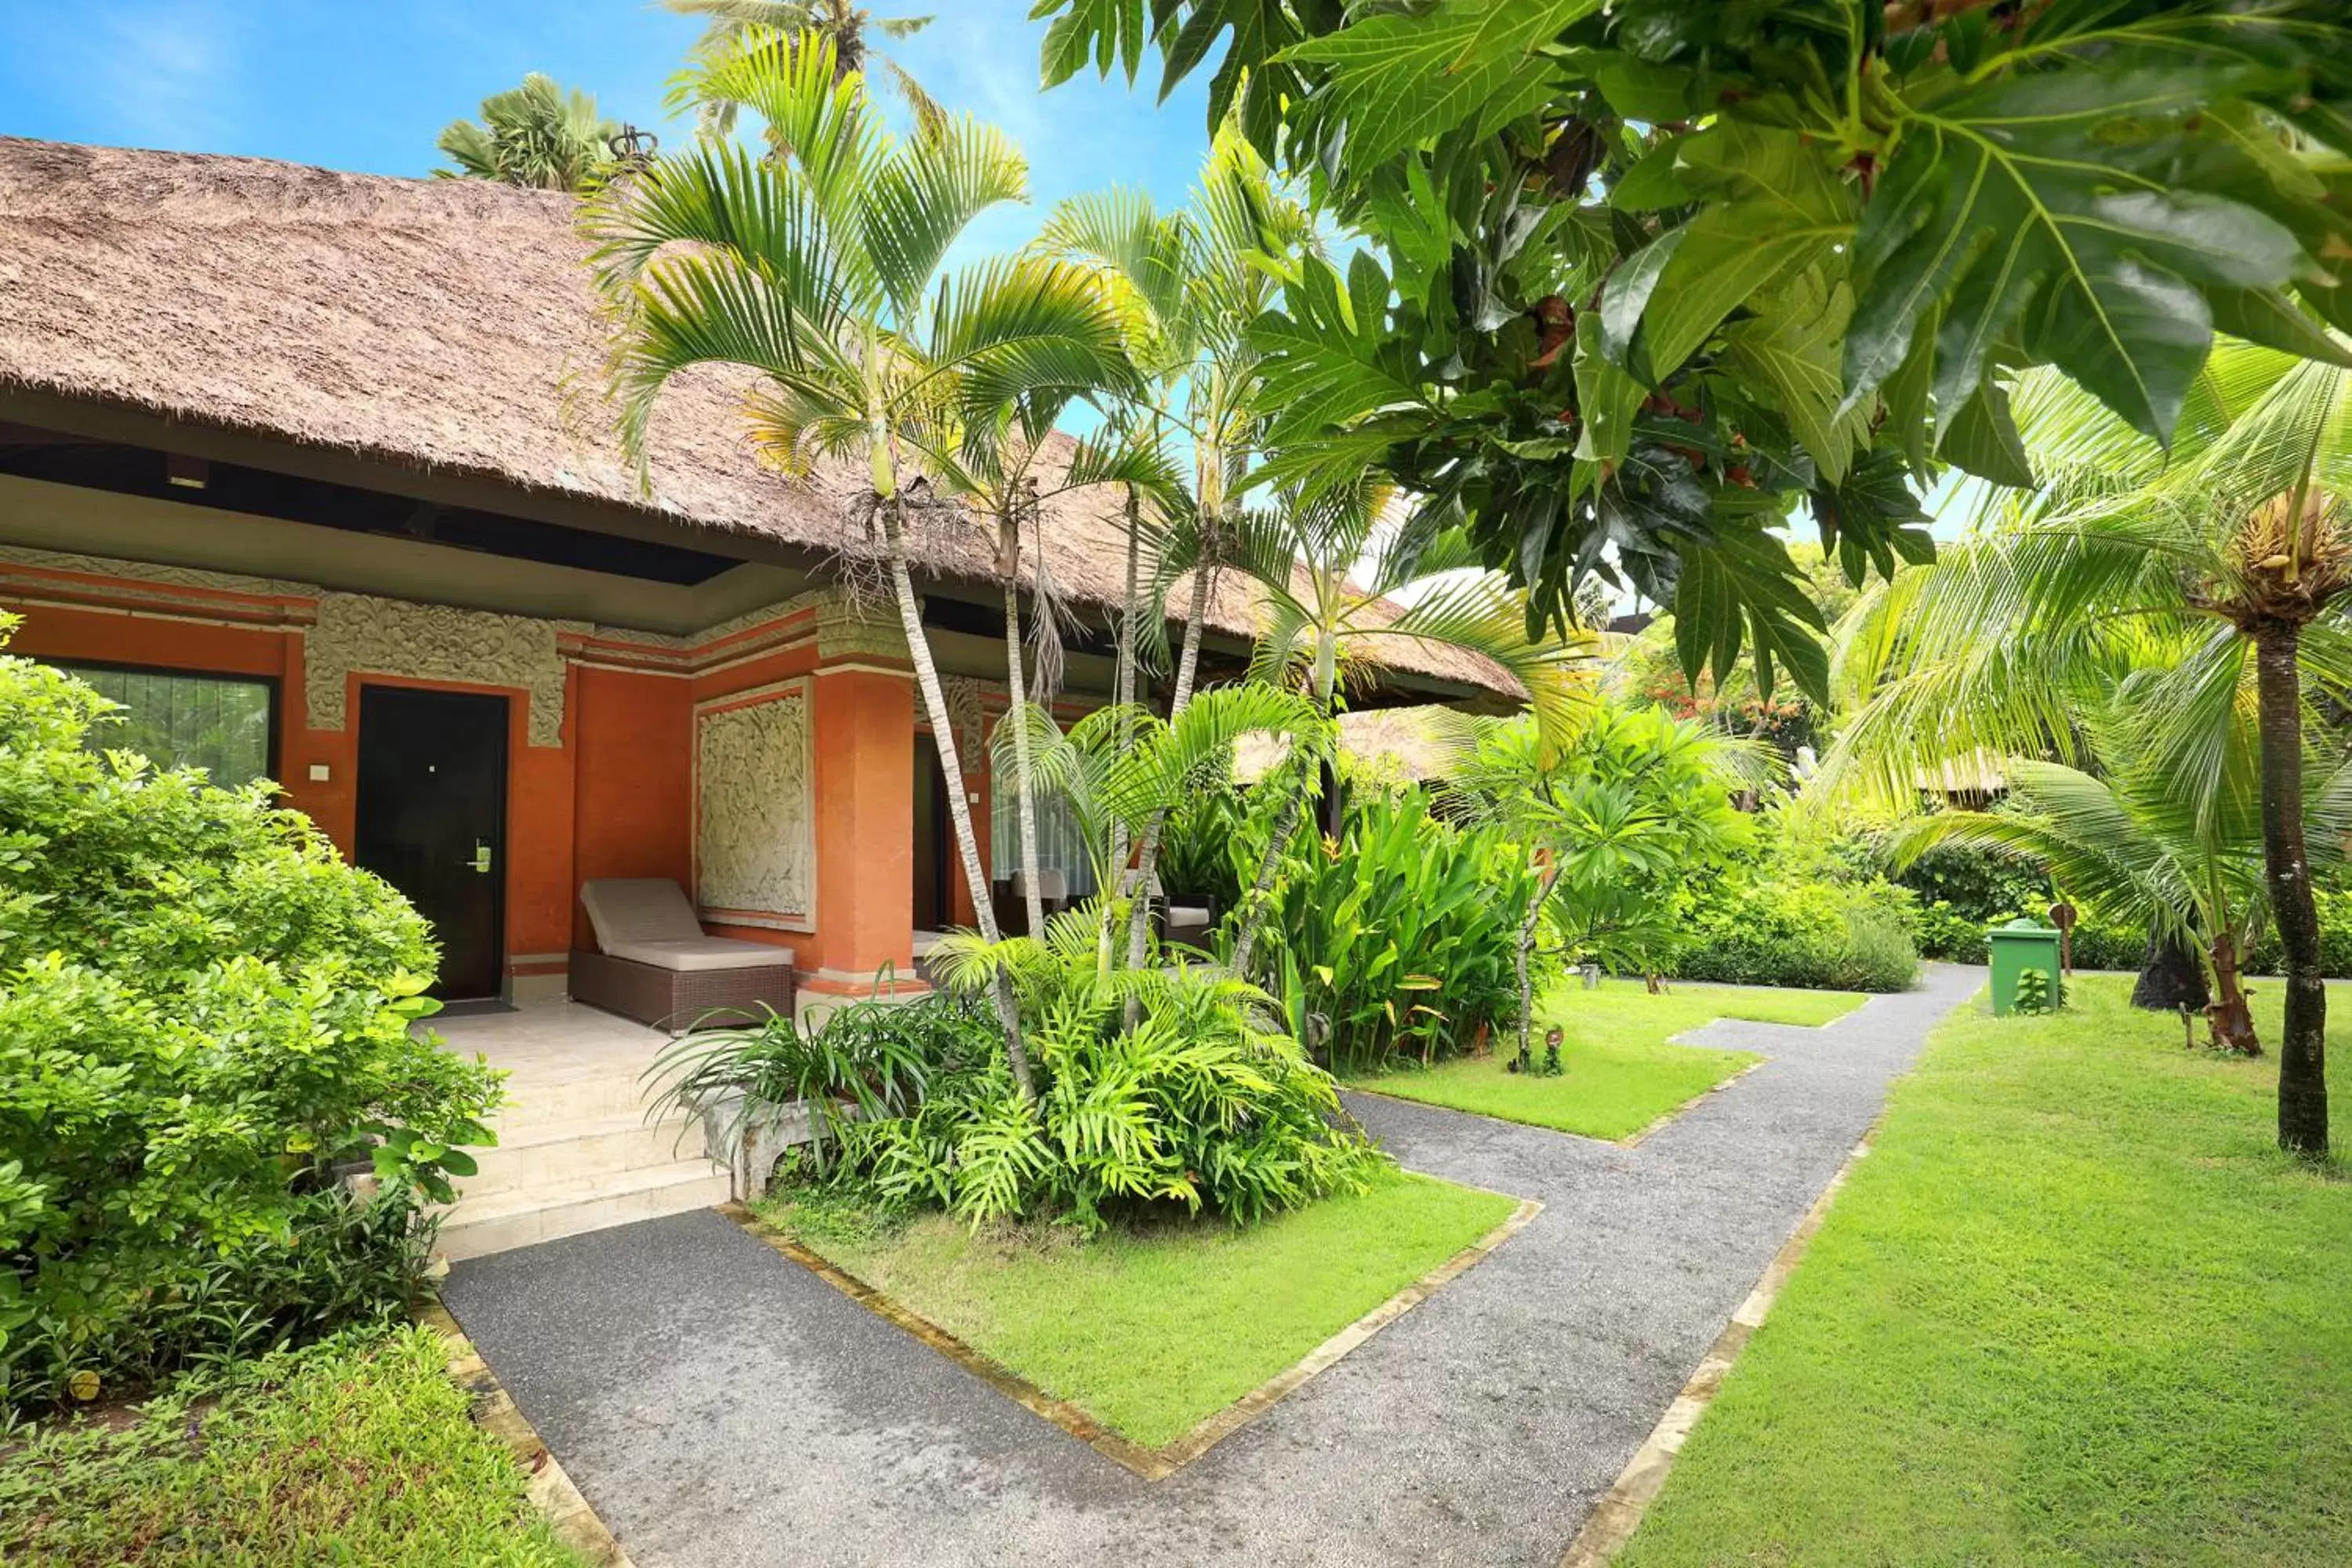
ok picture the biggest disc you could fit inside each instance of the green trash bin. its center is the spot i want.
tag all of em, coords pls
(2022, 945)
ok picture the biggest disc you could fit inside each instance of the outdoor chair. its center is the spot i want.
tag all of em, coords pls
(653, 961)
(1012, 907)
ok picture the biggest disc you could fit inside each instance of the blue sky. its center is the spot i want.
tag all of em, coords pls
(367, 85)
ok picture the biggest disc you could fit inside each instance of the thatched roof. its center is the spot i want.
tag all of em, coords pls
(1400, 742)
(441, 325)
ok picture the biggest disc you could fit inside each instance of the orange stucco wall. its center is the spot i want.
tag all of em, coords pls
(634, 737)
(617, 798)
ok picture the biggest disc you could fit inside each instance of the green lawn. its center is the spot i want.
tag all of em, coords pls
(358, 1451)
(1622, 1074)
(2075, 1308)
(1151, 1330)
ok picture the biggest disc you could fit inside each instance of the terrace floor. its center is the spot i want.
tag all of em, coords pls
(719, 1405)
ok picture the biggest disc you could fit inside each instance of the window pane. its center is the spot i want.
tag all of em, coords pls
(218, 723)
(1061, 847)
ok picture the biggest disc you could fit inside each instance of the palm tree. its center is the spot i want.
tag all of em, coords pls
(539, 135)
(2223, 564)
(1321, 630)
(999, 457)
(2142, 842)
(1188, 285)
(823, 273)
(732, 23)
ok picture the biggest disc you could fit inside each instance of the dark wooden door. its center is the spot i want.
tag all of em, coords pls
(933, 835)
(432, 821)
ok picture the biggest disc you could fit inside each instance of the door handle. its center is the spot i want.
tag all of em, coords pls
(481, 861)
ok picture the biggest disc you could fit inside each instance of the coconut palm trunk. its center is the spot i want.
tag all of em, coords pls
(1187, 668)
(2230, 1021)
(1123, 697)
(935, 704)
(1327, 675)
(1024, 789)
(1546, 880)
(2303, 1071)
(1261, 889)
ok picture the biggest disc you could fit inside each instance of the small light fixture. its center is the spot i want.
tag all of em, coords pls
(188, 473)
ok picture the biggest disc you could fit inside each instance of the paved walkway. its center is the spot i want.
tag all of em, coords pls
(719, 1405)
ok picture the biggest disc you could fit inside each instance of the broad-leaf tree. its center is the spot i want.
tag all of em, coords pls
(540, 134)
(822, 272)
(2222, 567)
(1646, 277)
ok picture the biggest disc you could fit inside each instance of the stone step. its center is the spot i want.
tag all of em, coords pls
(546, 1153)
(536, 1103)
(524, 1216)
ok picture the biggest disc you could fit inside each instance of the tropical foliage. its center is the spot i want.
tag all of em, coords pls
(203, 1015)
(539, 134)
(821, 268)
(1643, 275)
(2215, 571)
(1202, 1105)
(844, 28)
(1396, 937)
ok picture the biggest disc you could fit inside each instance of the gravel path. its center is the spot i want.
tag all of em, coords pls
(719, 1405)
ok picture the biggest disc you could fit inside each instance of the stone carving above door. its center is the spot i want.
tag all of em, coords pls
(370, 636)
(754, 809)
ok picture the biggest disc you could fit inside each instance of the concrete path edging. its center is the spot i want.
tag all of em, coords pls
(551, 1489)
(1620, 1513)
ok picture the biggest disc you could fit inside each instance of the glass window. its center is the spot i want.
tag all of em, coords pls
(219, 723)
(1061, 846)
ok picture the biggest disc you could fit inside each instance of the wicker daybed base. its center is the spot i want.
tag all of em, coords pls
(679, 999)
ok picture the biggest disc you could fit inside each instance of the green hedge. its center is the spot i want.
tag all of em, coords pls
(1832, 935)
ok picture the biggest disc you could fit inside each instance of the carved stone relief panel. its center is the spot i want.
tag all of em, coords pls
(754, 811)
(432, 642)
(965, 697)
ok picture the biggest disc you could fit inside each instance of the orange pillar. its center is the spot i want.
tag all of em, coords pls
(865, 755)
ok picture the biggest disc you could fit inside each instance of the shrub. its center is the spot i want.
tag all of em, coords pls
(1196, 856)
(1847, 936)
(1398, 937)
(1202, 1103)
(203, 1012)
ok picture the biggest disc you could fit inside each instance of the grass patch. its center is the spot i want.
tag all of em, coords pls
(1152, 1329)
(2074, 1307)
(1621, 1072)
(357, 1451)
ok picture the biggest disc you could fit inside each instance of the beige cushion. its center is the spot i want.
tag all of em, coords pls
(1052, 885)
(692, 955)
(640, 908)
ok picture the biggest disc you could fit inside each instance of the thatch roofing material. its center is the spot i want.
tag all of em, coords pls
(442, 325)
(1401, 741)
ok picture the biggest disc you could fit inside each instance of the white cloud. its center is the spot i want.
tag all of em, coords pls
(164, 73)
